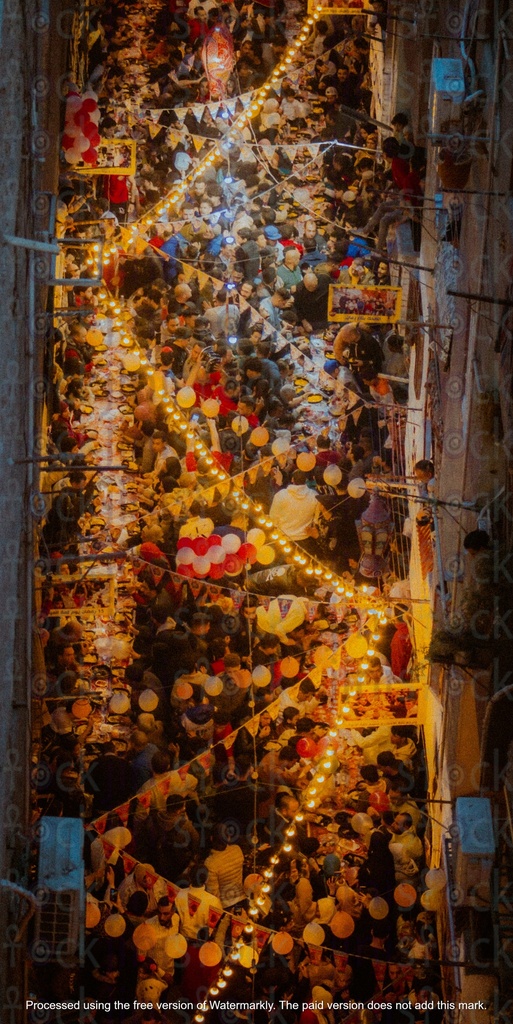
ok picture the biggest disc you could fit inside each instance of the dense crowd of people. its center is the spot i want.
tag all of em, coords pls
(236, 722)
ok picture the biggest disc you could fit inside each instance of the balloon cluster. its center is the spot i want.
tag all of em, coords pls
(81, 138)
(216, 556)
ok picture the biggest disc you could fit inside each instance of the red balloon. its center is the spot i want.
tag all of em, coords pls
(81, 118)
(306, 747)
(89, 106)
(68, 141)
(95, 139)
(90, 156)
(233, 565)
(186, 570)
(216, 571)
(248, 553)
(380, 801)
(214, 540)
(89, 129)
(200, 546)
(184, 542)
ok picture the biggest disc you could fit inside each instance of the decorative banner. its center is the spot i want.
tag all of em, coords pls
(218, 58)
(376, 305)
(115, 156)
(340, 960)
(261, 937)
(384, 705)
(237, 928)
(108, 849)
(123, 812)
(193, 904)
(145, 799)
(101, 824)
(172, 892)
(129, 863)
(315, 954)
(214, 917)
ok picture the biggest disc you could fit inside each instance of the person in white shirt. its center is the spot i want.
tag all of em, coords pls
(295, 509)
(190, 923)
(164, 924)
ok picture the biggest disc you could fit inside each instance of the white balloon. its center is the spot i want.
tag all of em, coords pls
(239, 425)
(213, 686)
(185, 556)
(356, 488)
(201, 565)
(261, 675)
(231, 543)
(217, 554)
(256, 537)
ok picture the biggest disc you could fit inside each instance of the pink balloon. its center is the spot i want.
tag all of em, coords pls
(201, 565)
(73, 103)
(72, 156)
(217, 555)
(82, 144)
(185, 556)
(95, 116)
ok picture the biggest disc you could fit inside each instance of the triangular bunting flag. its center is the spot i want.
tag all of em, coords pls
(123, 812)
(144, 799)
(315, 954)
(154, 129)
(101, 824)
(205, 760)
(261, 937)
(192, 904)
(164, 785)
(172, 892)
(214, 916)
(183, 770)
(237, 928)
(340, 960)
(108, 849)
(129, 863)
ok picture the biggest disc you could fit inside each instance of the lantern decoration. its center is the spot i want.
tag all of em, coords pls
(322, 655)
(361, 822)
(210, 954)
(282, 943)
(94, 337)
(148, 700)
(176, 946)
(239, 425)
(356, 646)
(131, 362)
(436, 879)
(378, 908)
(289, 667)
(375, 531)
(186, 397)
(256, 537)
(115, 925)
(218, 57)
(259, 436)
(183, 691)
(265, 555)
(405, 895)
(342, 924)
(261, 675)
(356, 488)
(93, 914)
(81, 708)
(313, 934)
(248, 956)
(332, 475)
(431, 899)
(213, 686)
(119, 702)
(306, 747)
(305, 461)
(210, 408)
(144, 937)
(118, 836)
(280, 446)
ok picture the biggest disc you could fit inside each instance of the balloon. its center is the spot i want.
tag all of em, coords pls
(261, 675)
(233, 565)
(265, 555)
(90, 156)
(186, 570)
(144, 937)
(242, 678)
(183, 691)
(356, 488)
(436, 879)
(67, 141)
(231, 543)
(72, 156)
(379, 801)
(185, 556)
(305, 461)
(248, 956)
(248, 553)
(131, 361)
(306, 747)
(216, 571)
(239, 425)
(95, 116)
(217, 554)
(282, 943)
(89, 105)
(94, 337)
(145, 412)
(321, 656)
(332, 475)
(252, 883)
(361, 822)
(93, 914)
(73, 103)
(213, 541)
(201, 566)
(331, 864)
(119, 703)
(148, 700)
(176, 946)
(356, 646)
(81, 708)
(342, 924)
(378, 908)
(210, 408)
(210, 954)
(313, 934)
(118, 836)
(256, 537)
(115, 925)
(280, 446)
(186, 397)
(431, 899)
(289, 667)
(405, 895)
(213, 686)
(259, 436)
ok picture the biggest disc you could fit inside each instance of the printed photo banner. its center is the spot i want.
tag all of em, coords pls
(347, 304)
(115, 156)
(369, 707)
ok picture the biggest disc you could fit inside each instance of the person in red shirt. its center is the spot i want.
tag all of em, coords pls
(115, 189)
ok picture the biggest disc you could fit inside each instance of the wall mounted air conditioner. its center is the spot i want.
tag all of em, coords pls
(447, 93)
(474, 850)
(60, 881)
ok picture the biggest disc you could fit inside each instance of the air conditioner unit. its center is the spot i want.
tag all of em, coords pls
(446, 94)
(60, 880)
(474, 850)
